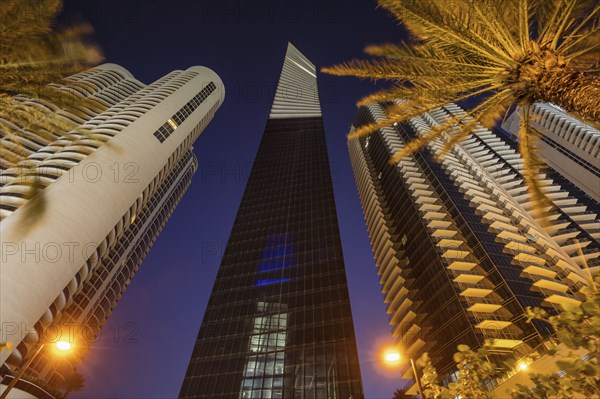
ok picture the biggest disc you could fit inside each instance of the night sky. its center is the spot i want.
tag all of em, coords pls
(145, 346)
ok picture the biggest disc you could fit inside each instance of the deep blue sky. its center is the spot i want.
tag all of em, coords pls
(146, 344)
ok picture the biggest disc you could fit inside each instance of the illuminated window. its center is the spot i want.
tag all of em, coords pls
(263, 374)
(178, 118)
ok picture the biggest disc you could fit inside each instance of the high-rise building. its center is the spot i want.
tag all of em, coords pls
(278, 323)
(109, 187)
(459, 254)
(568, 145)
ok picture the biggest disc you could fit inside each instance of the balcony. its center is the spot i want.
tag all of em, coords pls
(504, 343)
(501, 226)
(416, 346)
(476, 292)
(538, 271)
(493, 216)
(505, 339)
(431, 215)
(430, 207)
(455, 254)
(409, 317)
(422, 193)
(490, 321)
(563, 299)
(560, 236)
(448, 243)
(574, 278)
(460, 265)
(572, 245)
(469, 274)
(395, 296)
(512, 236)
(588, 255)
(493, 324)
(436, 224)
(545, 283)
(529, 259)
(468, 278)
(443, 233)
(519, 247)
(425, 200)
(418, 186)
(493, 299)
(482, 307)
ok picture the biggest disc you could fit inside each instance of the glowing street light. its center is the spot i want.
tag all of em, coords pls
(523, 366)
(62, 346)
(392, 357)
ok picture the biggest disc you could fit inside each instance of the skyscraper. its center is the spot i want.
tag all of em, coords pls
(568, 145)
(459, 255)
(278, 323)
(108, 192)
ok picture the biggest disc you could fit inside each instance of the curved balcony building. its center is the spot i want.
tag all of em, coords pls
(109, 186)
(568, 145)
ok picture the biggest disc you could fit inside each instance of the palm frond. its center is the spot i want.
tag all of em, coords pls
(373, 69)
(523, 23)
(35, 58)
(533, 167)
(514, 52)
(585, 30)
(447, 25)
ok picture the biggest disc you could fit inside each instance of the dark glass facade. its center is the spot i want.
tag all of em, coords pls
(278, 323)
(436, 300)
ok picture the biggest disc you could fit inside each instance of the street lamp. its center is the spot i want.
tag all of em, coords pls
(392, 357)
(62, 346)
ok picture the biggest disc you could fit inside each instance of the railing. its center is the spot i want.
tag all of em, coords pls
(485, 300)
(547, 293)
(536, 353)
(472, 272)
(480, 317)
(535, 278)
(511, 332)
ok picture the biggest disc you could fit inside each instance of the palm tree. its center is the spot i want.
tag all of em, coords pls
(73, 382)
(576, 327)
(401, 394)
(510, 52)
(32, 55)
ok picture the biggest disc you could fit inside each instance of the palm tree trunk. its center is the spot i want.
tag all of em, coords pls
(571, 90)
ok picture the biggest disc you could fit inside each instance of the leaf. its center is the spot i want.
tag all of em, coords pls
(566, 338)
(463, 348)
(459, 357)
(591, 308)
(35, 60)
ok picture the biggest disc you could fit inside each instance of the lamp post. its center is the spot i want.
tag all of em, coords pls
(417, 378)
(60, 345)
(393, 357)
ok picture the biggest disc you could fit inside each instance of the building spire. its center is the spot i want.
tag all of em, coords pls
(297, 94)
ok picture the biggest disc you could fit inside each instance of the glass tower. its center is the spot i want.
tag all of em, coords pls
(278, 323)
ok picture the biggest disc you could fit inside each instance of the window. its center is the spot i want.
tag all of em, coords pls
(178, 118)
